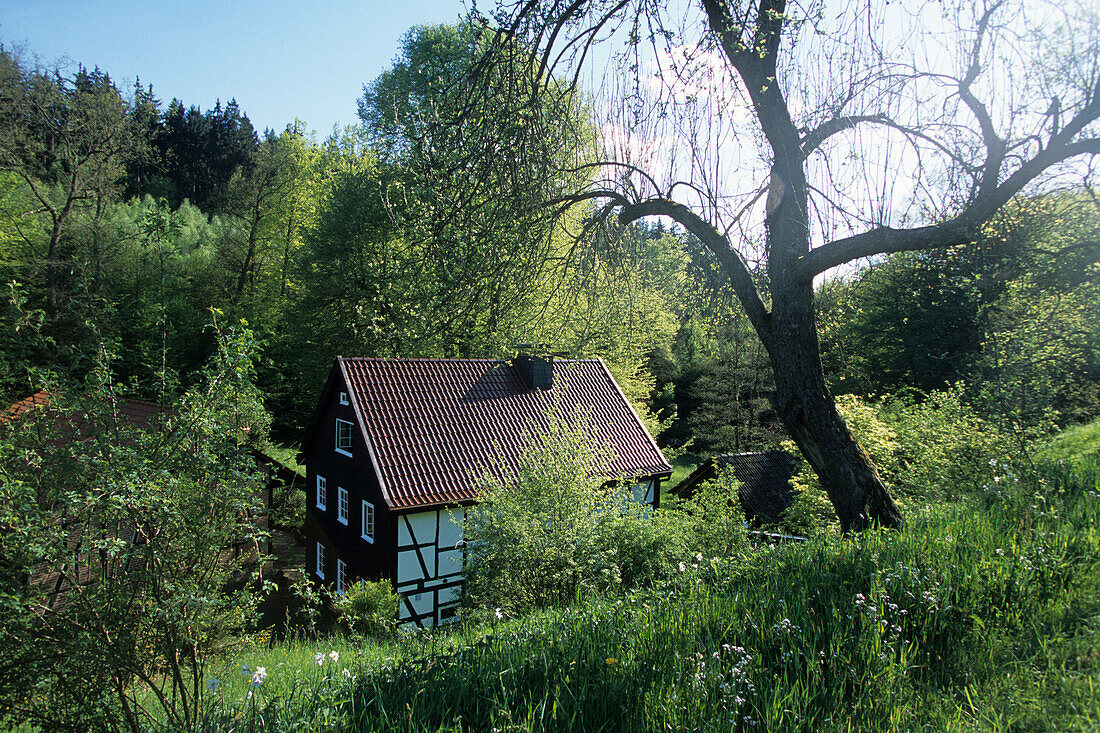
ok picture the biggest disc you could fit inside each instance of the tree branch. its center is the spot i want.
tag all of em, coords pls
(732, 263)
(994, 145)
(955, 231)
(813, 139)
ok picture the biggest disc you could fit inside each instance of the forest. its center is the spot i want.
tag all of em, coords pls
(157, 251)
(127, 220)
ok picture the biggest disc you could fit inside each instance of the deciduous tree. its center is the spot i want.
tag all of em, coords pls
(792, 138)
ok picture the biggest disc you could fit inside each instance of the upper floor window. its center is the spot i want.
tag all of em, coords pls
(342, 505)
(344, 398)
(343, 437)
(320, 561)
(322, 493)
(367, 522)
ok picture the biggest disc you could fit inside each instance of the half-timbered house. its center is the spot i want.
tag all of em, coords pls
(396, 447)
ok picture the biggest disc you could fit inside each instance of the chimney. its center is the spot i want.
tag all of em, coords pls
(537, 371)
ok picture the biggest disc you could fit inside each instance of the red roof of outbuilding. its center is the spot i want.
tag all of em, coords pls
(27, 403)
(138, 413)
(436, 425)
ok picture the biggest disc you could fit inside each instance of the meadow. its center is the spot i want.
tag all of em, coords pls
(981, 614)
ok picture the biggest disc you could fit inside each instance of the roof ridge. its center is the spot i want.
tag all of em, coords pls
(447, 359)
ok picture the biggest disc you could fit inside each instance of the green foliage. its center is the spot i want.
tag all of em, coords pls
(929, 451)
(136, 548)
(1077, 444)
(945, 449)
(288, 507)
(550, 530)
(368, 608)
(912, 320)
(1013, 316)
(712, 520)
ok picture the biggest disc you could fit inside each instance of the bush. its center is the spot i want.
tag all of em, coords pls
(368, 608)
(129, 555)
(945, 450)
(552, 528)
(712, 522)
(927, 452)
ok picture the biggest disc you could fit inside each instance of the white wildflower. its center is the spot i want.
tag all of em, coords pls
(334, 656)
(319, 658)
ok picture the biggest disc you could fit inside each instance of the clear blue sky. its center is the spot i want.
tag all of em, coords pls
(280, 59)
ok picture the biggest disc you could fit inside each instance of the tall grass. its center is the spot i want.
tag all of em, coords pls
(982, 615)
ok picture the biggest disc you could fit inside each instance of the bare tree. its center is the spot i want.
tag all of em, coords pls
(794, 137)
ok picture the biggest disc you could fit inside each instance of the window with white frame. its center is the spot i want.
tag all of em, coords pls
(320, 561)
(366, 529)
(344, 436)
(341, 576)
(322, 493)
(342, 505)
(344, 398)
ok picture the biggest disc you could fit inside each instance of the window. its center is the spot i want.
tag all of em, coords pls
(367, 522)
(322, 493)
(342, 505)
(343, 437)
(320, 561)
(344, 398)
(341, 576)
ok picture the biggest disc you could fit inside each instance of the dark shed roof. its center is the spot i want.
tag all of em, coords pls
(765, 482)
(434, 426)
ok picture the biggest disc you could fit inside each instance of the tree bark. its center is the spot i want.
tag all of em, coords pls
(808, 411)
(802, 398)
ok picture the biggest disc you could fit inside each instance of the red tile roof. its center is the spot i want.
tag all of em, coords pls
(138, 413)
(24, 405)
(436, 425)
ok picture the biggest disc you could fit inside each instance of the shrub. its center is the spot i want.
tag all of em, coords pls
(929, 451)
(712, 522)
(368, 608)
(945, 450)
(553, 528)
(150, 537)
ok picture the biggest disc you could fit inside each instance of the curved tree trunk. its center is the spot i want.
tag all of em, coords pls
(809, 413)
(802, 398)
